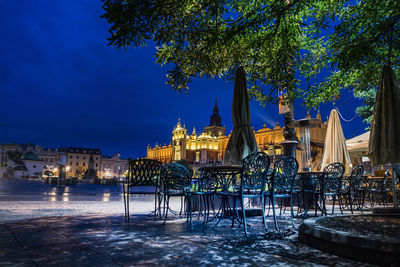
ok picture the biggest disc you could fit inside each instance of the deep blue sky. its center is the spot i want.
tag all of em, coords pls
(62, 85)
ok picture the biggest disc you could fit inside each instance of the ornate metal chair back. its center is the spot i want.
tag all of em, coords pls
(333, 175)
(226, 178)
(206, 181)
(254, 171)
(284, 175)
(175, 176)
(143, 172)
(356, 178)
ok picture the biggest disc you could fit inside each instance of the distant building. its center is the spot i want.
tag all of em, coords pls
(28, 167)
(4, 152)
(27, 160)
(208, 148)
(50, 158)
(114, 166)
(78, 160)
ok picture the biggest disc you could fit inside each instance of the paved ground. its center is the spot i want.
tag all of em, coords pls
(91, 232)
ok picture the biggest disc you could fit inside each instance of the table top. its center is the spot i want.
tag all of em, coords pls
(310, 172)
(220, 168)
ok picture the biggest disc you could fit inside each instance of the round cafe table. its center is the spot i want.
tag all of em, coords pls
(307, 183)
(224, 184)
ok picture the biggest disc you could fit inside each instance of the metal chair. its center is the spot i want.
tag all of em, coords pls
(396, 169)
(204, 187)
(175, 180)
(283, 180)
(331, 183)
(252, 182)
(352, 189)
(142, 173)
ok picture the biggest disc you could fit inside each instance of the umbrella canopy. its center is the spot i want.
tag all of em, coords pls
(335, 149)
(358, 145)
(242, 141)
(384, 143)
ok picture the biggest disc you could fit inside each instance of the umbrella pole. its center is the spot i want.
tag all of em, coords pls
(394, 187)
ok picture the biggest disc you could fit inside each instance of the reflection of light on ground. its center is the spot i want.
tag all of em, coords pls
(65, 194)
(53, 199)
(53, 192)
(106, 197)
(66, 189)
(65, 198)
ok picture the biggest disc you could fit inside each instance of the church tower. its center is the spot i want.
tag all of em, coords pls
(179, 136)
(215, 128)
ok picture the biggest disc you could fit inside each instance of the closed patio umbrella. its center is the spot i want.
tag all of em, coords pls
(335, 149)
(242, 141)
(384, 143)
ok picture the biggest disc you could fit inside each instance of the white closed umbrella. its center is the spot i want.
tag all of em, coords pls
(335, 149)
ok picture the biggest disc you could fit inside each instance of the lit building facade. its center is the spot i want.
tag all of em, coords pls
(5, 149)
(208, 148)
(112, 167)
(78, 160)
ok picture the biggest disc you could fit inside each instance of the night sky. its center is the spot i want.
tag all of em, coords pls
(62, 85)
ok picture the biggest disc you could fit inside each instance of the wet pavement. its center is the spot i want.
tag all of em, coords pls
(88, 230)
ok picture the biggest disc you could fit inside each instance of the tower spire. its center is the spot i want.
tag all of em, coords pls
(215, 119)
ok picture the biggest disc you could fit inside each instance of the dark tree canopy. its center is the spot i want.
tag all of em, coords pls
(277, 42)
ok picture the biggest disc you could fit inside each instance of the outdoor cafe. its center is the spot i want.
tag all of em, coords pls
(251, 183)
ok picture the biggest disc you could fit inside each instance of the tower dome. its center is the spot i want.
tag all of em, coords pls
(30, 156)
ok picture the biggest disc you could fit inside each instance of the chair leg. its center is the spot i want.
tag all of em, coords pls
(360, 202)
(180, 212)
(263, 212)
(340, 203)
(155, 203)
(166, 212)
(123, 185)
(274, 212)
(291, 209)
(244, 217)
(127, 204)
(234, 210)
(350, 202)
(189, 206)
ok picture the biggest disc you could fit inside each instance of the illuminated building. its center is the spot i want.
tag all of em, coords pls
(78, 160)
(209, 147)
(5, 149)
(113, 166)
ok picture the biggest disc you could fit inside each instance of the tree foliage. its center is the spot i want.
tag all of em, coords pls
(278, 42)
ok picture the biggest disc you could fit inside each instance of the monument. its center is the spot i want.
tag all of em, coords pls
(90, 173)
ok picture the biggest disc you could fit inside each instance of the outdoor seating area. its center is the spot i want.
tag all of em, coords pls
(214, 193)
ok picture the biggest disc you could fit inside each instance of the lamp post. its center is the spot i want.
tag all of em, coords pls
(305, 125)
(119, 170)
(61, 164)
